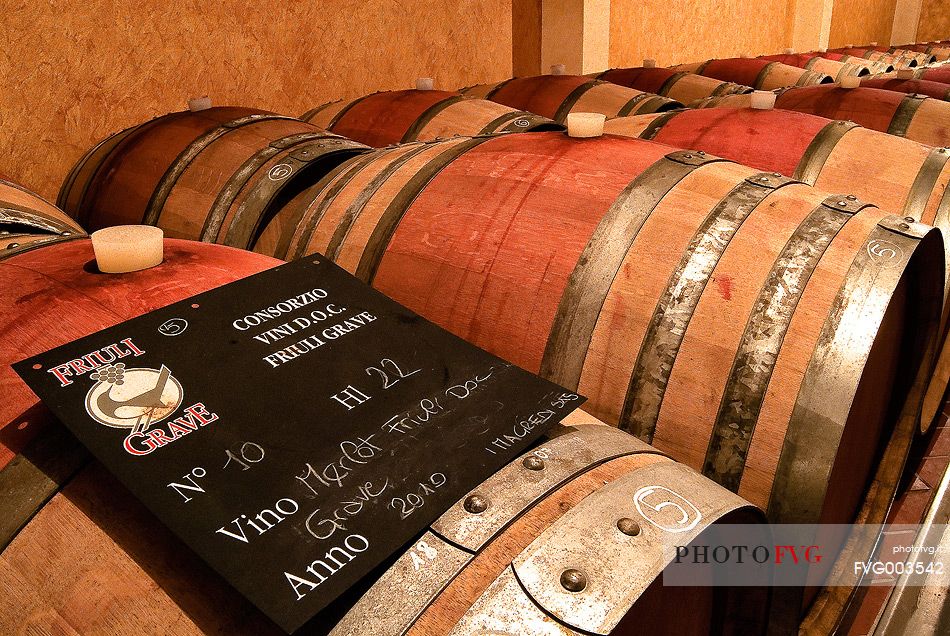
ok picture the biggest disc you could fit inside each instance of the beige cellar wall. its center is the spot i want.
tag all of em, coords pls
(678, 31)
(934, 20)
(75, 72)
(861, 21)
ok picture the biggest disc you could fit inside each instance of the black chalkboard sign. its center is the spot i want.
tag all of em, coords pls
(294, 428)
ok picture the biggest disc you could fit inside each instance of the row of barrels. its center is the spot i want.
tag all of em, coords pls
(69, 532)
(764, 377)
(776, 339)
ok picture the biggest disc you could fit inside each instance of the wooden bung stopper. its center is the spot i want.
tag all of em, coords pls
(127, 248)
(425, 84)
(850, 81)
(763, 100)
(558, 69)
(649, 62)
(789, 51)
(196, 104)
(584, 125)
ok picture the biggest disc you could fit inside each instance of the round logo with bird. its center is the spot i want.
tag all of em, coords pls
(133, 398)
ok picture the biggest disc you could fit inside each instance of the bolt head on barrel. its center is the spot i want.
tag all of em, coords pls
(573, 580)
(628, 526)
(476, 504)
(533, 463)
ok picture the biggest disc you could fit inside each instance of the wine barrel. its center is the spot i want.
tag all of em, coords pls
(916, 117)
(582, 288)
(228, 167)
(393, 117)
(757, 73)
(941, 52)
(836, 156)
(872, 65)
(95, 560)
(54, 295)
(935, 90)
(709, 308)
(28, 221)
(897, 61)
(555, 96)
(922, 57)
(683, 87)
(834, 69)
(819, 64)
(938, 74)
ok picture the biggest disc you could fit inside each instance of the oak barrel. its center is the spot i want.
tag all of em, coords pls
(94, 560)
(819, 64)
(921, 57)
(704, 306)
(679, 85)
(941, 52)
(937, 74)
(235, 165)
(896, 60)
(916, 117)
(757, 73)
(493, 274)
(555, 96)
(393, 117)
(28, 221)
(872, 65)
(937, 90)
(897, 174)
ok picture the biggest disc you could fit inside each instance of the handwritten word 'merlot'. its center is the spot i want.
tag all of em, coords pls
(362, 451)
